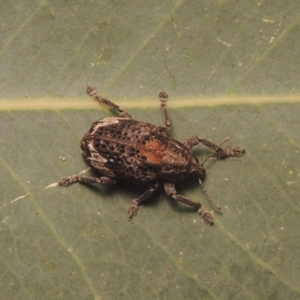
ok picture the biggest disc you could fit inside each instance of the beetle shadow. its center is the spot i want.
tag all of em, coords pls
(125, 189)
(132, 191)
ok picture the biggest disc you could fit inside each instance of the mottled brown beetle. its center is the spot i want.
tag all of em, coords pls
(121, 148)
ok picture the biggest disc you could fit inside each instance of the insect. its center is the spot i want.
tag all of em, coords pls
(122, 148)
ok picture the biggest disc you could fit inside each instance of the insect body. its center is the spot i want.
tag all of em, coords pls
(121, 148)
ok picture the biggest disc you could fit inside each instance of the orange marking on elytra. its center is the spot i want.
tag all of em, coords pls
(153, 151)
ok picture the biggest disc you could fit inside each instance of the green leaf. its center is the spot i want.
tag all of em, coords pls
(231, 69)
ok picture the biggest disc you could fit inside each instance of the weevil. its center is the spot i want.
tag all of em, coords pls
(122, 148)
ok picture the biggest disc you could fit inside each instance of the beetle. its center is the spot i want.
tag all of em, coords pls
(122, 148)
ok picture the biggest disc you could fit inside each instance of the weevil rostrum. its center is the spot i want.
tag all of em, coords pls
(122, 148)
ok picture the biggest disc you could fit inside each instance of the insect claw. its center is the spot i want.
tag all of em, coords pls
(236, 152)
(207, 217)
(67, 181)
(133, 209)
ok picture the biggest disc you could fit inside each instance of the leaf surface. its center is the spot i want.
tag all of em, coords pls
(219, 61)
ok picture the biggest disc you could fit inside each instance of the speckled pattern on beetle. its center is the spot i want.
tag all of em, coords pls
(122, 148)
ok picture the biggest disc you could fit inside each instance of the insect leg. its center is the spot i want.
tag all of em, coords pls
(171, 191)
(133, 209)
(235, 152)
(91, 91)
(67, 181)
(163, 97)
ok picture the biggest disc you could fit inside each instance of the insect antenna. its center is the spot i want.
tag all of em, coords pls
(208, 156)
(200, 181)
(207, 195)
